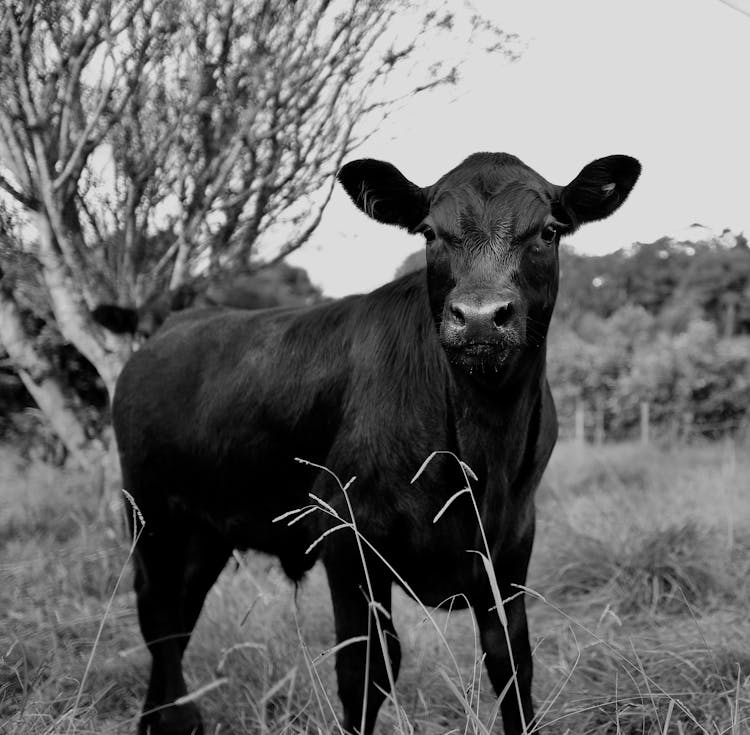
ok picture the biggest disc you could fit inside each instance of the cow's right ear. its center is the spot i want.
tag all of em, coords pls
(117, 319)
(382, 192)
(600, 189)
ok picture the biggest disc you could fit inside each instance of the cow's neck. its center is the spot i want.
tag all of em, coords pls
(490, 401)
(496, 428)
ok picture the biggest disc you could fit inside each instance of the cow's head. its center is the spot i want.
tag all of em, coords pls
(492, 227)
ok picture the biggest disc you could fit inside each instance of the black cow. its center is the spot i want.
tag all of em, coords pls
(211, 412)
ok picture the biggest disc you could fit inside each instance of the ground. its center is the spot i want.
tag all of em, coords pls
(637, 604)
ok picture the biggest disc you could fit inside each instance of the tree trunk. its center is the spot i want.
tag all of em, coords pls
(105, 351)
(38, 375)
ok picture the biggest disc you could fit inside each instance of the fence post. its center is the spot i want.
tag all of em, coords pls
(580, 425)
(599, 424)
(644, 423)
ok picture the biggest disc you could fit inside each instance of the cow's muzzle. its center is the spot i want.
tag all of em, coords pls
(481, 336)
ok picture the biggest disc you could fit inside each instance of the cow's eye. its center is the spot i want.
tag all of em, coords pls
(428, 232)
(549, 233)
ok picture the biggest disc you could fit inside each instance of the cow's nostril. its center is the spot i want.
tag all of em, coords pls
(502, 314)
(457, 314)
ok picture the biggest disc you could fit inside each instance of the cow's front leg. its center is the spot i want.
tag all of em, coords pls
(502, 665)
(361, 668)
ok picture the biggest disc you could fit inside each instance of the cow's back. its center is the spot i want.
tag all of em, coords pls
(207, 379)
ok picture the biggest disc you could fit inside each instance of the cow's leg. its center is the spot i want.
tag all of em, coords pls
(356, 616)
(176, 563)
(207, 555)
(500, 667)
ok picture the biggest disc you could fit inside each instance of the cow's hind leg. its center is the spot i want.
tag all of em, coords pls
(357, 616)
(177, 560)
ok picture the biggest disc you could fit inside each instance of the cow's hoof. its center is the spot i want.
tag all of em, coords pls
(182, 720)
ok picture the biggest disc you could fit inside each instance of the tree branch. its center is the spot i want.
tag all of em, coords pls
(27, 202)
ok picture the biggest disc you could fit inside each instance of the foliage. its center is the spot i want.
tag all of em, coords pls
(665, 322)
(694, 381)
(665, 277)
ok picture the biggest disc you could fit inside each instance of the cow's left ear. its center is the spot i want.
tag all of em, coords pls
(600, 188)
(382, 192)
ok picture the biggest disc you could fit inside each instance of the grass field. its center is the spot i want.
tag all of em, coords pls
(638, 613)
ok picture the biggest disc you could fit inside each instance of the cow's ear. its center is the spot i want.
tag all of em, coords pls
(382, 192)
(599, 189)
(117, 319)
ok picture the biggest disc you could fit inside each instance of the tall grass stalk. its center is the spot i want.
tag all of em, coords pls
(138, 525)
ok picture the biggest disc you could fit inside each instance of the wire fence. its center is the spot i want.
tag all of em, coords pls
(584, 425)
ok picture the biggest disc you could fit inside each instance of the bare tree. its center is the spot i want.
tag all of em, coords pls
(144, 140)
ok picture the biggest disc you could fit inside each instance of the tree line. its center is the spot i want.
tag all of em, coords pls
(667, 323)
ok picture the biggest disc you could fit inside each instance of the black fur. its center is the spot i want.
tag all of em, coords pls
(212, 411)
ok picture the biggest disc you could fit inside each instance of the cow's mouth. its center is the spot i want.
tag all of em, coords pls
(480, 348)
(481, 357)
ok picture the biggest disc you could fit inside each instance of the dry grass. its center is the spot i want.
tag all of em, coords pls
(642, 558)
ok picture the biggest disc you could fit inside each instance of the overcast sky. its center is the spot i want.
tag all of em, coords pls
(667, 81)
